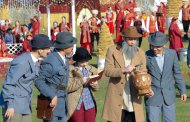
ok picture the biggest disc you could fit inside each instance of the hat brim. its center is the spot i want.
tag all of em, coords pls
(78, 59)
(63, 46)
(48, 45)
(160, 43)
(135, 36)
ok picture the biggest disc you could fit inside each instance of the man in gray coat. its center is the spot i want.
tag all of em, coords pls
(53, 75)
(164, 68)
(17, 88)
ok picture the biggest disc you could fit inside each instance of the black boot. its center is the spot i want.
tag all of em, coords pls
(185, 37)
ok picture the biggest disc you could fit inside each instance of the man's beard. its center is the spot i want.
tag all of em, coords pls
(129, 51)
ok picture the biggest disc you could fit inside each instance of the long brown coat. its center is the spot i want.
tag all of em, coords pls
(75, 86)
(114, 96)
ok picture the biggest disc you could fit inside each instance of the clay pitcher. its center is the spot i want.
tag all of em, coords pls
(142, 82)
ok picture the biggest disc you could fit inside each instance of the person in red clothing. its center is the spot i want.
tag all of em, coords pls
(6, 26)
(151, 21)
(95, 24)
(64, 26)
(25, 43)
(175, 36)
(85, 40)
(127, 19)
(3, 47)
(184, 17)
(120, 6)
(109, 20)
(17, 31)
(138, 22)
(54, 30)
(161, 19)
(35, 26)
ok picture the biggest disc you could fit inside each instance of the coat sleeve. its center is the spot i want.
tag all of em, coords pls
(110, 69)
(176, 30)
(93, 71)
(16, 71)
(40, 83)
(142, 68)
(75, 80)
(178, 76)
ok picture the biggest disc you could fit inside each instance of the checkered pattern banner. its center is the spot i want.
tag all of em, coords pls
(15, 48)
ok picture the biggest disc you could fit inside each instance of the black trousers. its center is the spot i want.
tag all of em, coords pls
(127, 116)
(92, 35)
(140, 41)
(185, 27)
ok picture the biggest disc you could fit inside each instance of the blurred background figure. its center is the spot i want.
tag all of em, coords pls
(9, 39)
(184, 17)
(161, 17)
(94, 23)
(85, 40)
(127, 19)
(175, 36)
(6, 26)
(30, 24)
(109, 20)
(35, 29)
(24, 32)
(25, 43)
(54, 30)
(17, 31)
(151, 21)
(120, 7)
(3, 47)
(64, 26)
(138, 22)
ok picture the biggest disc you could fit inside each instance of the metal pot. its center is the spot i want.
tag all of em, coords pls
(182, 54)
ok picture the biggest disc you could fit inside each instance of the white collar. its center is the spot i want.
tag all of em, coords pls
(34, 59)
(62, 57)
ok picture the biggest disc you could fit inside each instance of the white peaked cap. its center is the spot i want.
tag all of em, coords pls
(95, 11)
(153, 8)
(137, 9)
(184, 0)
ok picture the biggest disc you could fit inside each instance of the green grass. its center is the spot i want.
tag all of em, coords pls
(182, 108)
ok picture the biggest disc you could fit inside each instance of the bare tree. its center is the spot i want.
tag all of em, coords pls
(22, 14)
(145, 4)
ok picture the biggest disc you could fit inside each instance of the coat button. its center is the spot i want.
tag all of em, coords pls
(120, 94)
(119, 105)
(121, 82)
